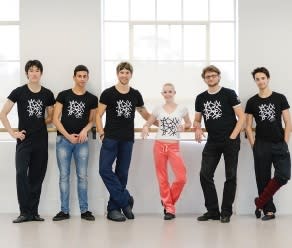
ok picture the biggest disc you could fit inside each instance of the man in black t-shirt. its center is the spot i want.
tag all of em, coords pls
(219, 107)
(74, 117)
(270, 144)
(119, 102)
(34, 102)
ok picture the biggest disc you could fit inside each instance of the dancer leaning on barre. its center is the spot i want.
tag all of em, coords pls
(224, 118)
(270, 144)
(166, 148)
(35, 110)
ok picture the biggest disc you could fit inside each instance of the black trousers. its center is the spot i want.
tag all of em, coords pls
(265, 154)
(31, 160)
(210, 158)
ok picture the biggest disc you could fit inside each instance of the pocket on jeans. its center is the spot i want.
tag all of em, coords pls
(234, 144)
(108, 144)
(285, 147)
(232, 141)
(59, 139)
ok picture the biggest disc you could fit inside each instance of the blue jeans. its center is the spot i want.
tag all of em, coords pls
(64, 151)
(116, 181)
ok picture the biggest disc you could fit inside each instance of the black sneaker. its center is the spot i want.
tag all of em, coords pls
(169, 216)
(37, 217)
(225, 219)
(127, 211)
(22, 218)
(209, 216)
(116, 215)
(268, 217)
(87, 216)
(131, 202)
(61, 216)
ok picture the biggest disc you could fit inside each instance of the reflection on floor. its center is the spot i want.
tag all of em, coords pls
(149, 231)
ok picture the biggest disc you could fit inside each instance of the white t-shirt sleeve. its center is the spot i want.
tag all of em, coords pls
(184, 111)
(156, 112)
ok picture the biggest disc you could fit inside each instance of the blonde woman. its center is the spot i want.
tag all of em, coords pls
(166, 147)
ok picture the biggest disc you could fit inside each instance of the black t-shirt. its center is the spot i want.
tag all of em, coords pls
(31, 108)
(218, 113)
(267, 113)
(76, 110)
(120, 112)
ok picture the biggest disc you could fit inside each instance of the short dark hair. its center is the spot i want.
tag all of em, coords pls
(210, 68)
(80, 68)
(124, 65)
(262, 70)
(32, 63)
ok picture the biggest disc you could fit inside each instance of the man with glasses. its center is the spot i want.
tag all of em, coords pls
(219, 107)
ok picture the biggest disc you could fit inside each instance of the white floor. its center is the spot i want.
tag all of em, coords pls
(147, 231)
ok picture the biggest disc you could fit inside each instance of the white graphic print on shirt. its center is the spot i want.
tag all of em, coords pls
(35, 108)
(124, 108)
(267, 111)
(76, 108)
(212, 110)
(169, 126)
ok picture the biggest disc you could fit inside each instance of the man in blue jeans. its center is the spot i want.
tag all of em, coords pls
(74, 117)
(119, 102)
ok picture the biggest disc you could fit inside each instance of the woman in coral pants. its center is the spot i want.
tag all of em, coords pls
(166, 148)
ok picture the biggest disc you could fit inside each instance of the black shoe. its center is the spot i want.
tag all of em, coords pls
(258, 213)
(225, 219)
(169, 216)
(22, 218)
(268, 217)
(87, 216)
(128, 212)
(209, 216)
(61, 216)
(116, 215)
(36, 217)
(131, 202)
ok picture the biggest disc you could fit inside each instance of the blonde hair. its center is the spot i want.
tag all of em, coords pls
(169, 84)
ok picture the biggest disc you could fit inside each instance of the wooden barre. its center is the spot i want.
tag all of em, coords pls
(53, 129)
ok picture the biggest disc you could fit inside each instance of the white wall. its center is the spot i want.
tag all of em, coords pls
(65, 33)
(264, 40)
(61, 34)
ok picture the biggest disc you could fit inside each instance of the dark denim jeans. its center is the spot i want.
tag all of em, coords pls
(210, 158)
(116, 181)
(268, 153)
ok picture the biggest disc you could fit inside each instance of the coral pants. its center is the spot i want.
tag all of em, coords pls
(164, 152)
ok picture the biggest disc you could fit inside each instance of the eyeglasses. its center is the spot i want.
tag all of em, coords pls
(211, 76)
(167, 91)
